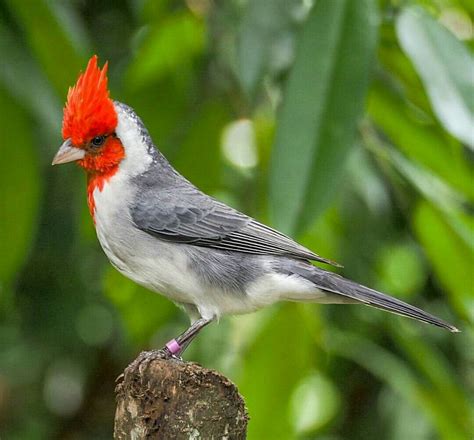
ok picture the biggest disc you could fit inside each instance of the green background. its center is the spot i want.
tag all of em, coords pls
(346, 124)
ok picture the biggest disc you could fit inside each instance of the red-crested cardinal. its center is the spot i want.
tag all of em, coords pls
(162, 232)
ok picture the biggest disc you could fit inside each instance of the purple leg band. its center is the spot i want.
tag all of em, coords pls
(173, 346)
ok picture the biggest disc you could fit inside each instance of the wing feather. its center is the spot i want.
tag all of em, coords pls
(190, 216)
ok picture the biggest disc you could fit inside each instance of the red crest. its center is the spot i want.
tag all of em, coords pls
(89, 111)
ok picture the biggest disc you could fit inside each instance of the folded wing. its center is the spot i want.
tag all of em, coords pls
(189, 216)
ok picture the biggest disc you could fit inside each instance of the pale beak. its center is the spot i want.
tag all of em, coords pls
(68, 153)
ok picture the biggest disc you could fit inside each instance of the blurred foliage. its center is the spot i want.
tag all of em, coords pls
(347, 124)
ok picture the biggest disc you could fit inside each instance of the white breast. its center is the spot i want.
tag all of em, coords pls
(152, 263)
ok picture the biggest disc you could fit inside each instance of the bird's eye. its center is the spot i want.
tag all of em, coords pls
(97, 141)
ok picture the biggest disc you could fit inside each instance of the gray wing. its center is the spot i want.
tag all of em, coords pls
(190, 216)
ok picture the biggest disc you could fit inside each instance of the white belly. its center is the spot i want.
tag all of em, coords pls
(156, 264)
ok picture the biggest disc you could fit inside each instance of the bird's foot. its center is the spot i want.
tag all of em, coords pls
(172, 350)
(162, 353)
(120, 379)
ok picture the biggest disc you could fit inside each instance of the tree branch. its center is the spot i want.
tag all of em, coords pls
(160, 398)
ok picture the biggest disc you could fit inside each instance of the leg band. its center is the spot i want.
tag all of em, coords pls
(173, 346)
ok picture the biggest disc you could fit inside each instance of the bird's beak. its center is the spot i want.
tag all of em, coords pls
(68, 153)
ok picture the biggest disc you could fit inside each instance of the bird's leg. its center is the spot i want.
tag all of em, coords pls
(173, 348)
(177, 346)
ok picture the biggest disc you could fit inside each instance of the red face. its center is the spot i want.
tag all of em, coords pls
(103, 153)
(89, 125)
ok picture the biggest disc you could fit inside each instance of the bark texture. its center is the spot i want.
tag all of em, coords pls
(163, 398)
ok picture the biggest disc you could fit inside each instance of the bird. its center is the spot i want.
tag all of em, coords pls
(162, 232)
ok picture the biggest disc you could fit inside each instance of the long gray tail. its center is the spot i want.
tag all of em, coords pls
(334, 283)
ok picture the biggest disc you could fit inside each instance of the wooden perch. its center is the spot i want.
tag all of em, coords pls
(163, 398)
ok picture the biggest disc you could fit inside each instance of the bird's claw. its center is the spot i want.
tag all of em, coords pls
(120, 378)
(146, 357)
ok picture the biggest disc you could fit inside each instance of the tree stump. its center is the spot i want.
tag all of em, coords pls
(165, 398)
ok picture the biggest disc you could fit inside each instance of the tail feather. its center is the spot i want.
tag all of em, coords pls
(334, 283)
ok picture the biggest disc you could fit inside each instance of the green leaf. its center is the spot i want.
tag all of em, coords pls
(275, 363)
(200, 150)
(398, 69)
(428, 184)
(50, 40)
(169, 45)
(262, 39)
(444, 228)
(419, 142)
(435, 368)
(314, 403)
(399, 376)
(20, 188)
(401, 269)
(324, 98)
(449, 253)
(23, 78)
(446, 68)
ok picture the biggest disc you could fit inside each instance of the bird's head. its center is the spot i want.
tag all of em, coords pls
(104, 137)
(90, 124)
